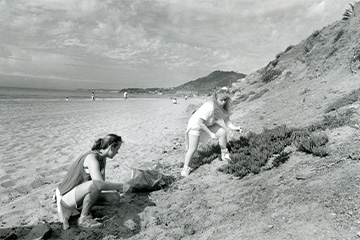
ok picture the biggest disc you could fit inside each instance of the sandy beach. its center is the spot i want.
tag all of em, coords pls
(306, 198)
(44, 137)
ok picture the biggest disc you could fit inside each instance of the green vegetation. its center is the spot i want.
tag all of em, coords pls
(259, 94)
(251, 153)
(356, 56)
(241, 98)
(278, 55)
(281, 158)
(334, 50)
(348, 99)
(289, 48)
(270, 75)
(338, 35)
(315, 33)
(313, 143)
(334, 121)
(349, 12)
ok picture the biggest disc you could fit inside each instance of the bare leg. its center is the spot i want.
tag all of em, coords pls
(193, 144)
(86, 195)
(221, 133)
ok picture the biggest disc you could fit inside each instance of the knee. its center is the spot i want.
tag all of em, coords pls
(93, 189)
(221, 132)
(115, 199)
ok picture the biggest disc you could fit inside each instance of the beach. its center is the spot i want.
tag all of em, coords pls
(41, 138)
(307, 197)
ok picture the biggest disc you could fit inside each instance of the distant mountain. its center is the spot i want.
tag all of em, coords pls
(214, 80)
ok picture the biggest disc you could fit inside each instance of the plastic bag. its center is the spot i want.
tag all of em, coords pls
(146, 177)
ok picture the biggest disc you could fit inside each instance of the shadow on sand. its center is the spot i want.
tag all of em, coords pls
(122, 222)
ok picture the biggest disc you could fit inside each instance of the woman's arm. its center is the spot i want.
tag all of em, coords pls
(206, 129)
(94, 169)
(232, 126)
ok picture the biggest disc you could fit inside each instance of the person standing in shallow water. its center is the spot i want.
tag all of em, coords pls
(205, 120)
(93, 96)
(83, 186)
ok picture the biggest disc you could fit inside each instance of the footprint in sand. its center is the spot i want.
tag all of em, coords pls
(8, 184)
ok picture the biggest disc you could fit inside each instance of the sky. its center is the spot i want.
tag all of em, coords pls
(116, 44)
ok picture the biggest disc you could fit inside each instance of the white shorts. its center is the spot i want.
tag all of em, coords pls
(195, 132)
(66, 205)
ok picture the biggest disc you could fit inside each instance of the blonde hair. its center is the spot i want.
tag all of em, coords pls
(222, 94)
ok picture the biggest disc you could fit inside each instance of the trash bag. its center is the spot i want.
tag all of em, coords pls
(146, 177)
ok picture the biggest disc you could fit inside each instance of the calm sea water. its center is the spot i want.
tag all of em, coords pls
(41, 94)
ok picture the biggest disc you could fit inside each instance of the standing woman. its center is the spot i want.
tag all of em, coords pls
(83, 184)
(205, 120)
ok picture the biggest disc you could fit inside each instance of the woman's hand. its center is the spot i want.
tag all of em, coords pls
(239, 129)
(213, 136)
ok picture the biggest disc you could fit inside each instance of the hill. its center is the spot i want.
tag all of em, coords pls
(214, 80)
(202, 85)
(303, 80)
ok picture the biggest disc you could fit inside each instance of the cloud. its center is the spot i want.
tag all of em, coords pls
(74, 42)
(176, 37)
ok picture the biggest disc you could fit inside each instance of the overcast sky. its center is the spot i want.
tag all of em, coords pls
(117, 44)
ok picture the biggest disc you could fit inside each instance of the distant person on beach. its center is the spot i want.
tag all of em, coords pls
(186, 97)
(93, 96)
(125, 95)
(84, 183)
(205, 120)
(174, 101)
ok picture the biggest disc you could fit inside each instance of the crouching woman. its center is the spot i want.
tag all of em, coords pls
(84, 185)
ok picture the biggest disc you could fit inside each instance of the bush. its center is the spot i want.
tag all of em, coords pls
(332, 52)
(313, 144)
(270, 75)
(251, 153)
(348, 12)
(206, 155)
(348, 99)
(241, 98)
(289, 48)
(356, 56)
(281, 158)
(337, 120)
(338, 35)
(259, 94)
(315, 33)
(278, 55)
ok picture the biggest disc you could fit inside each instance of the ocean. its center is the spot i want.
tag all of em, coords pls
(53, 94)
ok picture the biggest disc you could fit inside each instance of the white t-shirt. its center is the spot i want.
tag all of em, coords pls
(205, 112)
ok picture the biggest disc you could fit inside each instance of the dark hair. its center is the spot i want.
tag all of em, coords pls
(103, 143)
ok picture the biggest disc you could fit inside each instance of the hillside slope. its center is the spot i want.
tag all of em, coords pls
(214, 80)
(304, 79)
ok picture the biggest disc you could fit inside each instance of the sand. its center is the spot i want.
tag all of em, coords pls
(42, 138)
(306, 198)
